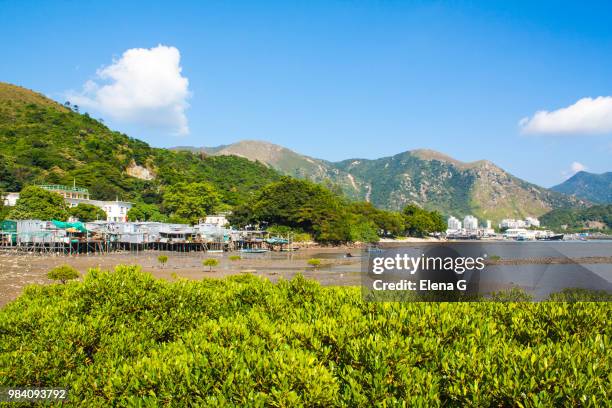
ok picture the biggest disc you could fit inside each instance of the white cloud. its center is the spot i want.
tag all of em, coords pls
(143, 87)
(587, 116)
(575, 167)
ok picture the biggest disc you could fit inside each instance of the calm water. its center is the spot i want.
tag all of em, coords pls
(538, 279)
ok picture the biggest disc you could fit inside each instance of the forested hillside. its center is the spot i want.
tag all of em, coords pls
(42, 141)
(597, 217)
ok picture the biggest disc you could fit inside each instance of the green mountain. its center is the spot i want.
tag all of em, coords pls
(289, 163)
(597, 217)
(424, 177)
(589, 186)
(42, 141)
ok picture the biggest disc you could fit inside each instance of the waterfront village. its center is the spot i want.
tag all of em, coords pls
(211, 234)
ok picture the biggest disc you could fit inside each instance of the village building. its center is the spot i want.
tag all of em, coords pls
(116, 211)
(219, 220)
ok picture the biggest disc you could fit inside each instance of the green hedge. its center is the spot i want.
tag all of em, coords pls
(124, 338)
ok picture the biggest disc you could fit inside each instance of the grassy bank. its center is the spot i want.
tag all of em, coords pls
(125, 338)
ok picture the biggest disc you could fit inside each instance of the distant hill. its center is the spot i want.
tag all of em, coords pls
(42, 141)
(597, 217)
(589, 186)
(425, 177)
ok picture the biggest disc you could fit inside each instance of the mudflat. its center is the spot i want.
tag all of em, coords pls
(19, 270)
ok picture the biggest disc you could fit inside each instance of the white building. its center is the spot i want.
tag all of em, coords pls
(219, 220)
(488, 230)
(532, 222)
(453, 224)
(470, 223)
(116, 211)
(10, 199)
(510, 223)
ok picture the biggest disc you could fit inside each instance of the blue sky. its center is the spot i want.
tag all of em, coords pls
(335, 80)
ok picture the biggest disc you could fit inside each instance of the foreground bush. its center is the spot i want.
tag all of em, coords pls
(125, 339)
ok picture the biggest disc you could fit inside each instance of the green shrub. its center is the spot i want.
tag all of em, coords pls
(511, 295)
(63, 273)
(211, 263)
(234, 257)
(314, 262)
(162, 259)
(123, 338)
(581, 295)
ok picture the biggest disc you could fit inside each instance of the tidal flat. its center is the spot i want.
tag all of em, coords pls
(557, 264)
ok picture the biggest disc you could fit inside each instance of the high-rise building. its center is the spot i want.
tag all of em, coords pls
(453, 224)
(470, 223)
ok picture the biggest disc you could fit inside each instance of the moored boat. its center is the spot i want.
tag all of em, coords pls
(554, 237)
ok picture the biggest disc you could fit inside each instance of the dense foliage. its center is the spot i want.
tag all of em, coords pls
(420, 222)
(190, 202)
(39, 204)
(303, 206)
(298, 204)
(87, 212)
(583, 219)
(127, 339)
(146, 212)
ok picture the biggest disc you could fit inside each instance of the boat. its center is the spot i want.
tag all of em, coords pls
(253, 250)
(554, 237)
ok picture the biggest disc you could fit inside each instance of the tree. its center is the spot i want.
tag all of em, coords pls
(420, 222)
(8, 179)
(389, 223)
(438, 223)
(146, 212)
(87, 212)
(190, 201)
(210, 262)
(39, 204)
(2, 206)
(364, 231)
(63, 273)
(300, 205)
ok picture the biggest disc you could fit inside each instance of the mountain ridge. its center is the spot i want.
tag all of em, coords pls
(590, 186)
(426, 177)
